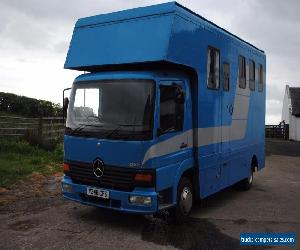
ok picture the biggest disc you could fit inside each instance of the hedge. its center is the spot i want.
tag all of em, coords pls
(29, 107)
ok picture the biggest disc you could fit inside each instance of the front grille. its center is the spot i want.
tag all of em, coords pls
(118, 178)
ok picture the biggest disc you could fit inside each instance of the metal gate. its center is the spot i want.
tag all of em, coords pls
(278, 131)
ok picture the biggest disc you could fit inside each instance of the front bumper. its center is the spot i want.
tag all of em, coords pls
(118, 200)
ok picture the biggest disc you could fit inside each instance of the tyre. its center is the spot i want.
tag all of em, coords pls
(185, 197)
(246, 183)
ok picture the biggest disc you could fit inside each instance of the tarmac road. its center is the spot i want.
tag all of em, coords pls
(34, 216)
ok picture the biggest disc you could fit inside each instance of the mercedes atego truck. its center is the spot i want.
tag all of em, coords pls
(169, 109)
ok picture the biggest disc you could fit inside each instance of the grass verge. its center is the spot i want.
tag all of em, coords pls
(19, 159)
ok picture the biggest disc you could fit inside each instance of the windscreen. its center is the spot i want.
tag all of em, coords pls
(112, 109)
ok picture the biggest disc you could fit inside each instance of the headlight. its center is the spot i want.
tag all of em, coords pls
(67, 188)
(140, 200)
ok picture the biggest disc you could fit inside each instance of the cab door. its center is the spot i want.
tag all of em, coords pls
(174, 122)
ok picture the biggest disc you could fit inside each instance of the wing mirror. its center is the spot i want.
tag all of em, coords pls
(65, 104)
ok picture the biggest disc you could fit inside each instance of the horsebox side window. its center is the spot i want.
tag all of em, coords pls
(260, 78)
(252, 75)
(242, 72)
(226, 76)
(213, 68)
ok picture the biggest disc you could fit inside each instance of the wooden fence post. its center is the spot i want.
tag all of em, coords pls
(40, 128)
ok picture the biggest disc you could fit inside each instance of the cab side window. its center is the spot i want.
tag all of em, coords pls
(213, 68)
(171, 108)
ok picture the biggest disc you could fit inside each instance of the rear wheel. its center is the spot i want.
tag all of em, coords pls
(185, 196)
(246, 183)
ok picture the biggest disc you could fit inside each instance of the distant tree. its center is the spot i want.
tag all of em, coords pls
(30, 107)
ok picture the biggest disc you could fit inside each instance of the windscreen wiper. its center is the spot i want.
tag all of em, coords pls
(130, 125)
(117, 129)
(108, 135)
(82, 126)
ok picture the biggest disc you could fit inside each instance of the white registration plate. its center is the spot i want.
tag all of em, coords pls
(97, 192)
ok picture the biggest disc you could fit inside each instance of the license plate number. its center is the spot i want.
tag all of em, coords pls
(98, 192)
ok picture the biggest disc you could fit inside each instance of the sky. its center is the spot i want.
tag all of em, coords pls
(35, 36)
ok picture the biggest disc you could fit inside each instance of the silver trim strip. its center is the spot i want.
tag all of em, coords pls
(170, 145)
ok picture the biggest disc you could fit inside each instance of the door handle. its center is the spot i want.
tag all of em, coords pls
(183, 145)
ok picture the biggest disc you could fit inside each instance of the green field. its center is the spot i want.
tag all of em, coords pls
(19, 159)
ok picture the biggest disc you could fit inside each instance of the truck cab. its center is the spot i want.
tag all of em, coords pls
(117, 139)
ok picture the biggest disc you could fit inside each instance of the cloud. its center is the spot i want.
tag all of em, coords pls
(61, 47)
(35, 35)
(69, 10)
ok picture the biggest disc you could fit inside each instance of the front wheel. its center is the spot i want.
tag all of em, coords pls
(185, 198)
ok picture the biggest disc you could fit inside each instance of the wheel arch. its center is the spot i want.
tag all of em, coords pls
(187, 169)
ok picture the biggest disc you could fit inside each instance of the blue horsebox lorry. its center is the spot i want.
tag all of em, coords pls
(170, 109)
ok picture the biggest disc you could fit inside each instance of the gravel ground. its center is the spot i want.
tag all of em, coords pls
(33, 214)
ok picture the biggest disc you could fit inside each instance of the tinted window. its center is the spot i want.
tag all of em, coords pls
(226, 76)
(242, 72)
(171, 108)
(252, 75)
(260, 78)
(213, 68)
